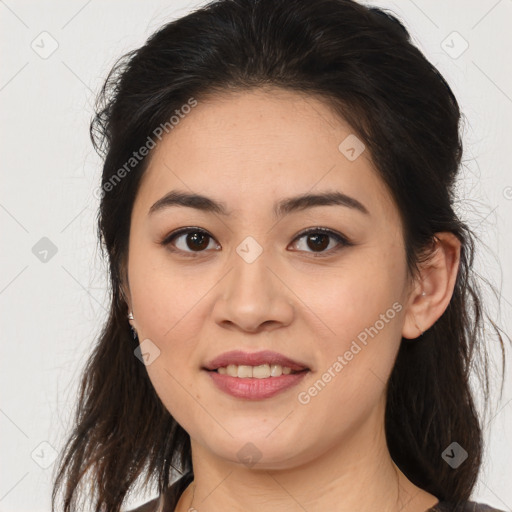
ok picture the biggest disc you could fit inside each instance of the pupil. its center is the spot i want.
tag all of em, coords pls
(316, 244)
(198, 239)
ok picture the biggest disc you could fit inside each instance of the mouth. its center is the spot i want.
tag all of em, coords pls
(262, 371)
(259, 365)
(255, 376)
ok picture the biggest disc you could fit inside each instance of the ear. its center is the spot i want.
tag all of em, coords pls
(433, 289)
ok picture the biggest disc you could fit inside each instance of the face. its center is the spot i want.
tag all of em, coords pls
(248, 279)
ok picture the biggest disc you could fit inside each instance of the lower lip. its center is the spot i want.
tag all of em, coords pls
(255, 389)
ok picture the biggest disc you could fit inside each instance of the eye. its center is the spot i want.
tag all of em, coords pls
(198, 240)
(194, 238)
(318, 240)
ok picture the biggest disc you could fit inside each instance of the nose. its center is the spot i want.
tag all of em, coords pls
(254, 297)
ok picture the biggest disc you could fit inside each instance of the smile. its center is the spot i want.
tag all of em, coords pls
(263, 371)
(254, 388)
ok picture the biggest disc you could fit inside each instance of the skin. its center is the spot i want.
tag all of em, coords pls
(250, 149)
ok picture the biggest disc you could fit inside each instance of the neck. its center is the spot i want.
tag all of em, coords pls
(356, 474)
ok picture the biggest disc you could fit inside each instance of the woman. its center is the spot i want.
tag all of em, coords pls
(294, 313)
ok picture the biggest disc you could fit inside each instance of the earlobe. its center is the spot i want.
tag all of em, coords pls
(411, 328)
(435, 286)
(132, 324)
(129, 314)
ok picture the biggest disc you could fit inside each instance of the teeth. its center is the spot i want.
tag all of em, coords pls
(263, 371)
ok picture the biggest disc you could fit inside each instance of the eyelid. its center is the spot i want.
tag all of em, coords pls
(342, 240)
(183, 231)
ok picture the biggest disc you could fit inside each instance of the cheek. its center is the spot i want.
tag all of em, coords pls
(361, 312)
(164, 294)
(167, 307)
(170, 320)
(353, 297)
(354, 364)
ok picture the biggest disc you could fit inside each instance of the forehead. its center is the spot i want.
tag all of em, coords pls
(250, 146)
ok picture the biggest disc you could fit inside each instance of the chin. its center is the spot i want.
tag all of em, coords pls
(259, 452)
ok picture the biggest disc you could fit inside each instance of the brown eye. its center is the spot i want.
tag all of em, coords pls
(318, 240)
(193, 241)
(189, 240)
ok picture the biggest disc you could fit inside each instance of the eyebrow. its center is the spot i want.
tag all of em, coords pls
(281, 208)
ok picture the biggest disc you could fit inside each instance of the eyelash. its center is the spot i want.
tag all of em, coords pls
(342, 241)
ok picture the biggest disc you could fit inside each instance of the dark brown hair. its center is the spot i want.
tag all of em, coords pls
(362, 62)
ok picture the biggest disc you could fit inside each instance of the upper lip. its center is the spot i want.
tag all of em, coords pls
(239, 357)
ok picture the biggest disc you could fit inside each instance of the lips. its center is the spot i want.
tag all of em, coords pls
(238, 357)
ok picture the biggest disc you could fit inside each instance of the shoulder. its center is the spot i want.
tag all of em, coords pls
(150, 506)
(168, 501)
(473, 506)
(443, 506)
(469, 506)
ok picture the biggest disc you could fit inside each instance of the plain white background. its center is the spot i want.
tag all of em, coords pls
(55, 56)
